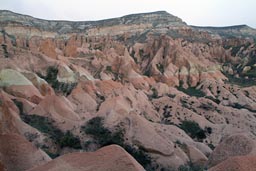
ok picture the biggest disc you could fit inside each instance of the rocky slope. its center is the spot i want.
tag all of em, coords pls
(111, 158)
(174, 96)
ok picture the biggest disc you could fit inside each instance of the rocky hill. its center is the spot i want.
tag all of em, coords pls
(173, 96)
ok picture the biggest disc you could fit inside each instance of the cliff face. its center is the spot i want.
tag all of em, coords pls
(239, 31)
(163, 90)
(153, 20)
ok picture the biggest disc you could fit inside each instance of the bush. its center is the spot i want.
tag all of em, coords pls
(101, 134)
(241, 81)
(190, 167)
(208, 130)
(213, 99)
(44, 125)
(6, 54)
(52, 155)
(211, 146)
(235, 50)
(193, 130)
(155, 93)
(141, 52)
(69, 140)
(109, 69)
(251, 73)
(191, 91)
(237, 106)
(160, 67)
(51, 78)
(148, 72)
(139, 155)
(19, 105)
(207, 106)
(133, 56)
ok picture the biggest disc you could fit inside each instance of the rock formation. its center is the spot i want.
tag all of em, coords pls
(112, 158)
(173, 96)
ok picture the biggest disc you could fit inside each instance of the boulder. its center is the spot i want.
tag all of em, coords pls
(18, 85)
(233, 145)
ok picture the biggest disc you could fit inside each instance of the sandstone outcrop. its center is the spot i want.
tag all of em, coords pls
(16, 84)
(112, 158)
(234, 145)
(238, 163)
(17, 154)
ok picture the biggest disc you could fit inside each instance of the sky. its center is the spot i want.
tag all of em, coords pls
(193, 12)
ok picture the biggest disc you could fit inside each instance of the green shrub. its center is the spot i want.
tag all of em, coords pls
(251, 73)
(237, 106)
(51, 78)
(207, 106)
(64, 88)
(41, 123)
(213, 99)
(87, 144)
(69, 140)
(52, 155)
(109, 69)
(191, 91)
(190, 167)
(133, 56)
(95, 128)
(184, 168)
(140, 156)
(208, 130)
(6, 54)
(141, 52)
(155, 93)
(160, 67)
(211, 146)
(51, 75)
(193, 130)
(235, 50)
(19, 105)
(101, 134)
(183, 146)
(148, 72)
(44, 125)
(241, 81)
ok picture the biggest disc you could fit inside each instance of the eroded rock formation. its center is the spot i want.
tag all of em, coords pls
(167, 92)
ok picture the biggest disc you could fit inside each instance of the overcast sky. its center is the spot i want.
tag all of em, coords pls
(193, 12)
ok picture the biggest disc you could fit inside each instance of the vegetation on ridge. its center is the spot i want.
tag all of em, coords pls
(104, 136)
(193, 130)
(45, 125)
(51, 78)
(191, 91)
